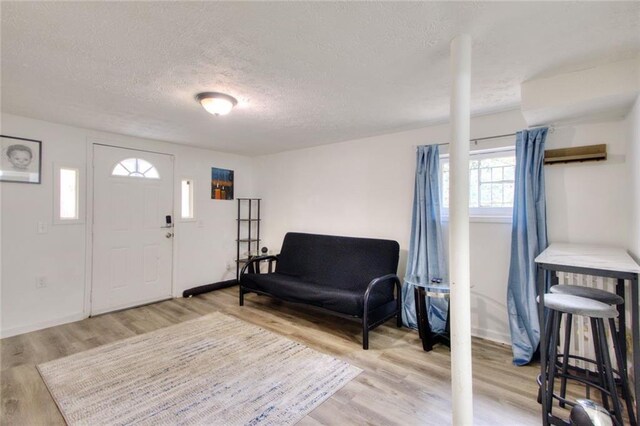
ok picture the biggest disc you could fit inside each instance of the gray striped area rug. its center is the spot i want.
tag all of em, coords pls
(215, 370)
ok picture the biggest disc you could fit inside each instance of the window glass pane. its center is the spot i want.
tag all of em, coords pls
(143, 166)
(187, 199)
(445, 188)
(508, 194)
(504, 161)
(496, 174)
(120, 171)
(152, 173)
(473, 188)
(496, 195)
(68, 194)
(130, 164)
(509, 173)
(485, 174)
(485, 195)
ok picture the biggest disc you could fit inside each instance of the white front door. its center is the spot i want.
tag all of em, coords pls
(132, 245)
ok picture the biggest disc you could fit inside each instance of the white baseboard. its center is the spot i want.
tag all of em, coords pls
(41, 325)
(491, 335)
(476, 332)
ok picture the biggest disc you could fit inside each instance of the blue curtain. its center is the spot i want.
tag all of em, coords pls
(528, 239)
(426, 255)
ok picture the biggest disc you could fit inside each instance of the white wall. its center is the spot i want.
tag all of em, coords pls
(364, 187)
(589, 202)
(59, 254)
(203, 247)
(633, 136)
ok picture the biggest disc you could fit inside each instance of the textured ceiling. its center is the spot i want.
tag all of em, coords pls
(305, 73)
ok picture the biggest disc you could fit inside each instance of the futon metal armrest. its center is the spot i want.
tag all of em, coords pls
(393, 278)
(257, 260)
(380, 314)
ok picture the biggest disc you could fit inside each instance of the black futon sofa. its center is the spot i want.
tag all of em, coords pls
(352, 277)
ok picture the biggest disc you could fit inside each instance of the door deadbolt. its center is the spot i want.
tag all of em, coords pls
(169, 234)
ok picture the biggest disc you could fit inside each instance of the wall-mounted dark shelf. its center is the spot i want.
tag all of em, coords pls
(248, 230)
(576, 154)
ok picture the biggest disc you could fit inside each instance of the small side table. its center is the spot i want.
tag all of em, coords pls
(422, 289)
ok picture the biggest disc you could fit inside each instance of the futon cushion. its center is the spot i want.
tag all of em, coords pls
(292, 289)
(344, 263)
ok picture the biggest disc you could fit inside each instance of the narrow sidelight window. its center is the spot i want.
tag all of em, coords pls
(69, 182)
(187, 199)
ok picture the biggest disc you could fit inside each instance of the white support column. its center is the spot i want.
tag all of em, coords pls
(459, 276)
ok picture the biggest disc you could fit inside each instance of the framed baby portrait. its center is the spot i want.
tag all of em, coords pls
(21, 159)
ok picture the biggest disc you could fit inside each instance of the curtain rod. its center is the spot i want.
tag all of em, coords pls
(486, 138)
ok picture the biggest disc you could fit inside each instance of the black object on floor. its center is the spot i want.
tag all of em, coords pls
(209, 287)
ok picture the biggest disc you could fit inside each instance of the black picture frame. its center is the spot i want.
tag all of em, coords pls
(15, 165)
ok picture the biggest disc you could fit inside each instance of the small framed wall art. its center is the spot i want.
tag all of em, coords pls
(221, 184)
(21, 160)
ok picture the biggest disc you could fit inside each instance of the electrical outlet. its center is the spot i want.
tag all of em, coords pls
(41, 282)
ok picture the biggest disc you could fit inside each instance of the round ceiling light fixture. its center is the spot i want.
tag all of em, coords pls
(216, 103)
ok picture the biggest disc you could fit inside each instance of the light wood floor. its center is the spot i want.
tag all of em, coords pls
(400, 384)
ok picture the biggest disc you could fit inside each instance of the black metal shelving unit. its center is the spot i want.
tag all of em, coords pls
(248, 241)
(248, 231)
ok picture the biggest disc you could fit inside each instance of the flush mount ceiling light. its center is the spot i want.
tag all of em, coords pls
(216, 103)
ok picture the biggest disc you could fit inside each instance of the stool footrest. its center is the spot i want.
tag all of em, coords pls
(560, 398)
(583, 370)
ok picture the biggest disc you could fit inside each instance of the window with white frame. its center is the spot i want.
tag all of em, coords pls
(491, 183)
(67, 192)
(186, 199)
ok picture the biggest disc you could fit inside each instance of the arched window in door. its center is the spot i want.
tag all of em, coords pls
(136, 167)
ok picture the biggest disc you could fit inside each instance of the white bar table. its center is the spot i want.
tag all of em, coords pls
(600, 261)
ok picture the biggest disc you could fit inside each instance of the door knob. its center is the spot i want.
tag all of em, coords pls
(169, 234)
